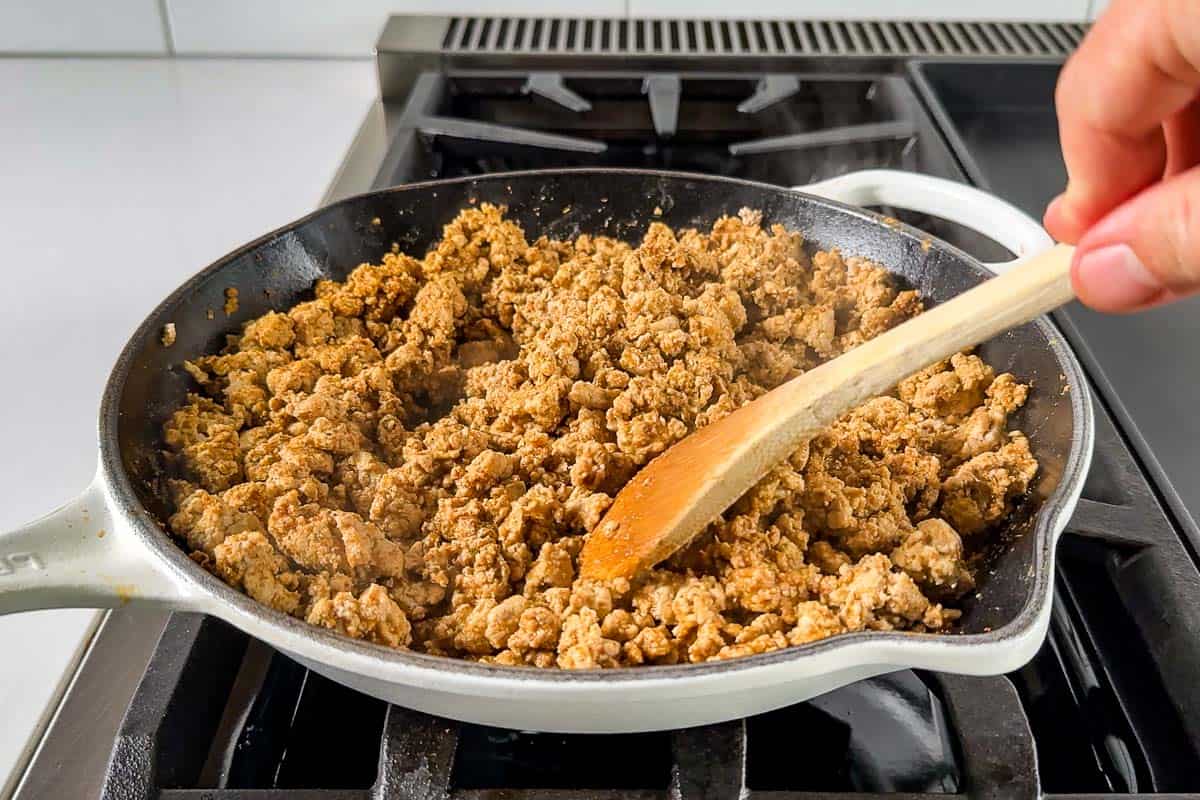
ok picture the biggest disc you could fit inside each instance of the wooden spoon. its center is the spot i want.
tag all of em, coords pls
(685, 488)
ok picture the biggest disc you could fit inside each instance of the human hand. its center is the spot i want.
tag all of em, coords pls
(1129, 119)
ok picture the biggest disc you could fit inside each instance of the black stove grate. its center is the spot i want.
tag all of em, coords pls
(298, 735)
(762, 127)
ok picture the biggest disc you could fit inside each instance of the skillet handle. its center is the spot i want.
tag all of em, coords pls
(76, 557)
(996, 219)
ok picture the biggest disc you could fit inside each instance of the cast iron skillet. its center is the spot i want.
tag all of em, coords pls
(61, 560)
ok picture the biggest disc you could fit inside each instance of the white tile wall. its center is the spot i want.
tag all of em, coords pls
(319, 27)
(81, 26)
(1097, 6)
(1074, 10)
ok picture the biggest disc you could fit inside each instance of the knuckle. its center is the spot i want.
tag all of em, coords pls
(1178, 251)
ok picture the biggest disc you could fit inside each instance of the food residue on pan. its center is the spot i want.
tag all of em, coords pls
(168, 335)
(414, 456)
(208, 314)
(231, 301)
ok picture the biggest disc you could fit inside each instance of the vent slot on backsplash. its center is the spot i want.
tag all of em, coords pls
(862, 38)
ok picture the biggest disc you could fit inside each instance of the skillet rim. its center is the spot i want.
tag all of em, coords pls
(202, 584)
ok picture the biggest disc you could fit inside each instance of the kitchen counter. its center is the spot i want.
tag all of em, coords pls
(120, 179)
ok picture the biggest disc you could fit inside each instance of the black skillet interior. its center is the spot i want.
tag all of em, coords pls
(279, 270)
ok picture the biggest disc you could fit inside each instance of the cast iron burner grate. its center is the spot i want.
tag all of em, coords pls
(777, 128)
(298, 732)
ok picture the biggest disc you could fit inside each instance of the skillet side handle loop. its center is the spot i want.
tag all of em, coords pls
(987, 214)
(75, 558)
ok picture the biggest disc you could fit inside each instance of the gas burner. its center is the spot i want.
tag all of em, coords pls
(422, 118)
(779, 106)
(785, 129)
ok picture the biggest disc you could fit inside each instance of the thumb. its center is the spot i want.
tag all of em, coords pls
(1145, 252)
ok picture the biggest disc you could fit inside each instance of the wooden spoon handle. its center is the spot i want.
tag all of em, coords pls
(1029, 290)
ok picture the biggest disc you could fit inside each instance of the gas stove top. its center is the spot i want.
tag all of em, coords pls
(1109, 706)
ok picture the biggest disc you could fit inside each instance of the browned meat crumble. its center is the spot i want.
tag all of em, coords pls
(415, 456)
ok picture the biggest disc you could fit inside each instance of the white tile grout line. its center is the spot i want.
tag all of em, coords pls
(164, 18)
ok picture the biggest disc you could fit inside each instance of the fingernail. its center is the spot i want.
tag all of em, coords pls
(1113, 278)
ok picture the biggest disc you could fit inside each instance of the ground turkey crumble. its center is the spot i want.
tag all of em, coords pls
(415, 456)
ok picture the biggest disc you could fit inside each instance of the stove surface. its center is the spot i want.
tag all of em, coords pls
(1109, 706)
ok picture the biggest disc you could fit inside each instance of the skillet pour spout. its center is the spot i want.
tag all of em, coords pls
(108, 547)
